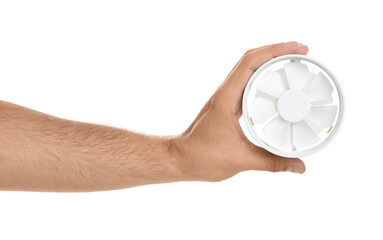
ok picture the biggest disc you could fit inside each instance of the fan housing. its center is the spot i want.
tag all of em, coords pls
(292, 106)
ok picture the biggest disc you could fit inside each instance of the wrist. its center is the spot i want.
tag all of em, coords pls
(181, 158)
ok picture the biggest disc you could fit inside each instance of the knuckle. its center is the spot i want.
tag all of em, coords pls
(218, 101)
(246, 60)
(248, 54)
(248, 51)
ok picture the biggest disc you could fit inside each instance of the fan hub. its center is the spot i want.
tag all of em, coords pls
(293, 105)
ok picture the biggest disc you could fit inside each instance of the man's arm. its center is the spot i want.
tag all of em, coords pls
(39, 152)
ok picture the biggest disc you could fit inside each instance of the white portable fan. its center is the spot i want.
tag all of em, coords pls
(292, 106)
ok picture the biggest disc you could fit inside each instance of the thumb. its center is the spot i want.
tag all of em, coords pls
(274, 163)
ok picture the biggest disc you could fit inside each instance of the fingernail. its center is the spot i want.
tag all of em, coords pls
(300, 45)
(296, 168)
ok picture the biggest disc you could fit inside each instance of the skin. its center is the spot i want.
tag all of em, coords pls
(39, 152)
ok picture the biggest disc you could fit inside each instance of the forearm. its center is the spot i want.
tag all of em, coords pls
(39, 152)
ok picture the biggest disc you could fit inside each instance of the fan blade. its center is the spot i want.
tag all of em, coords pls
(313, 126)
(262, 109)
(323, 102)
(322, 116)
(298, 75)
(320, 88)
(276, 132)
(272, 84)
(303, 135)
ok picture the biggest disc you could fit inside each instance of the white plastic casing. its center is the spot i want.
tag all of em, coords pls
(301, 108)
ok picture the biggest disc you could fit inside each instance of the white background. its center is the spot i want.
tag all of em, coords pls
(150, 66)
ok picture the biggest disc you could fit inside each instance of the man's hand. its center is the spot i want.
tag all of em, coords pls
(214, 147)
